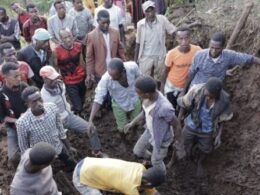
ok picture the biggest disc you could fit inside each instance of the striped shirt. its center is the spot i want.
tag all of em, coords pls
(48, 128)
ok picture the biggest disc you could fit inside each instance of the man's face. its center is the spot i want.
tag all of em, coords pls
(17, 8)
(78, 5)
(52, 84)
(13, 79)
(103, 24)
(35, 102)
(150, 13)
(42, 44)
(108, 3)
(215, 48)
(9, 55)
(209, 96)
(61, 10)
(142, 95)
(3, 16)
(183, 39)
(67, 39)
(33, 12)
(115, 75)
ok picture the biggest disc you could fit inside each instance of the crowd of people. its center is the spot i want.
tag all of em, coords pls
(177, 95)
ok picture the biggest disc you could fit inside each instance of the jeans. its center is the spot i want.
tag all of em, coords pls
(79, 125)
(157, 156)
(76, 93)
(14, 153)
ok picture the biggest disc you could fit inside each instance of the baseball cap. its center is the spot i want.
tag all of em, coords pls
(49, 72)
(148, 4)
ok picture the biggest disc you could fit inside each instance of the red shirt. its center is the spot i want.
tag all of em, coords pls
(22, 18)
(25, 72)
(69, 64)
(29, 28)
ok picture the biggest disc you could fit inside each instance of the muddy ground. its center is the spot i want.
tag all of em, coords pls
(233, 169)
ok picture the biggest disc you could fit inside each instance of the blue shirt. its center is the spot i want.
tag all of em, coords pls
(205, 117)
(205, 67)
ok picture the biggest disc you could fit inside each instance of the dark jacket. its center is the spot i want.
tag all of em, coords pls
(194, 99)
(29, 55)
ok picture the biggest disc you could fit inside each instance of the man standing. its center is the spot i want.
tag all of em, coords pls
(8, 53)
(9, 30)
(178, 62)
(83, 19)
(53, 91)
(34, 173)
(11, 107)
(41, 123)
(22, 14)
(159, 118)
(214, 61)
(103, 44)
(68, 6)
(61, 21)
(34, 22)
(68, 58)
(119, 81)
(36, 54)
(208, 106)
(117, 19)
(114, 175)
(150, 48)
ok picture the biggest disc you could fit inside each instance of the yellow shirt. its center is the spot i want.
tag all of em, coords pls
(90, 5)
(113, 175)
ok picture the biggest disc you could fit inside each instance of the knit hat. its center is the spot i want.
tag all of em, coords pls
(214, 86)
(41, 34)
(148, 4)
(49, 72)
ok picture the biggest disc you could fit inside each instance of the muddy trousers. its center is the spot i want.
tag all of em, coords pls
(194, 140)
(14, 153)
(156, 156)
(76, 93)
(82, 189)
(123, 117)
(80, 126)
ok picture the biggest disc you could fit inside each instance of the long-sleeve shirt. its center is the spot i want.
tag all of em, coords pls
(55, 24)
(203, 66)
(40, 183)
(125, 97)
(48, 128)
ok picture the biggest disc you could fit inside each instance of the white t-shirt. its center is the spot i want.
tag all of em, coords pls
(115, 13)
(149, 119)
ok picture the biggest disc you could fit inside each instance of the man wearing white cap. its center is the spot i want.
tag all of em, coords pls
(53, 91)
(36, 54)
(150, 48)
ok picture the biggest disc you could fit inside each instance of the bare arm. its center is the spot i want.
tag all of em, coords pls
(164, 76)
(138, 119)
(95, 108)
